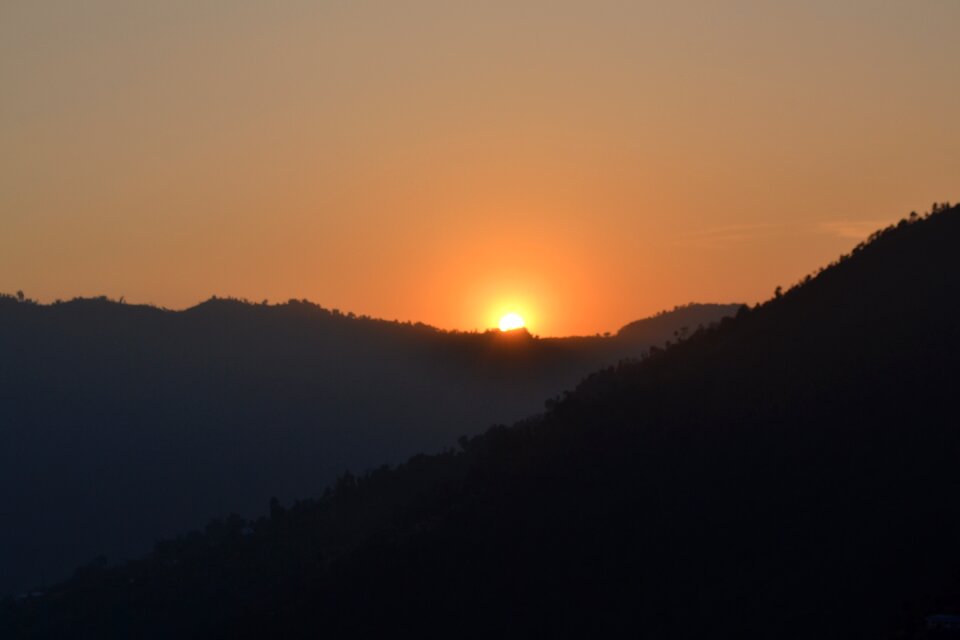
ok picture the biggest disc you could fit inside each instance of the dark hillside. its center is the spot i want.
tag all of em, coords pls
(123, 424)
(790, 473)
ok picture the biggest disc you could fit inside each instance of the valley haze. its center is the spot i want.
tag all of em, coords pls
(124, 424)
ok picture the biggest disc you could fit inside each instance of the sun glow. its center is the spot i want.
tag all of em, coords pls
(511, 321)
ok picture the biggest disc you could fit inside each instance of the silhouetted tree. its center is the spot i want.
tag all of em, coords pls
(276, 510)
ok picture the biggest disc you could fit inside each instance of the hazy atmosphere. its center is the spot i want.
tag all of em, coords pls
(583, 164)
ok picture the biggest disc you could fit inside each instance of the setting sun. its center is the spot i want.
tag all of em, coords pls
(511, 321)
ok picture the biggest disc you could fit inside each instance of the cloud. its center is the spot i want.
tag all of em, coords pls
(730, 234)
(738, 234)
(851, 229)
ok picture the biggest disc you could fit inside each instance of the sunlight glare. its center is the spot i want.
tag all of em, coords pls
(511, 321)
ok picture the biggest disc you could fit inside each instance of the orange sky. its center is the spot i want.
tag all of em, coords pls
(582, 163)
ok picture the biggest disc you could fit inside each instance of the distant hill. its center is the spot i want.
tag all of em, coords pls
(790, 473)
(122, 424)
(678, 323)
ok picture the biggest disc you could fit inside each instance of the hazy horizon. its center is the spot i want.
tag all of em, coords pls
(582, 164)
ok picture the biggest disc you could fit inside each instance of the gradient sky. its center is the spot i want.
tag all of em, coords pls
(584, 163)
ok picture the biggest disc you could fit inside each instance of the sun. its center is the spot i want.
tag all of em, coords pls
(511, 321)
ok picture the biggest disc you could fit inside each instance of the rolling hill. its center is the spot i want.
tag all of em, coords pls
(124, 424)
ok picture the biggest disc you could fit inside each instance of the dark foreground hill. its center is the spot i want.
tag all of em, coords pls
(124, 424)
(791, 473)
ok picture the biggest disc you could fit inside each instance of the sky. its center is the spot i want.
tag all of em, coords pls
(583, 164)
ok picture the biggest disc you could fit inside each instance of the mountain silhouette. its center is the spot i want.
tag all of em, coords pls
(123, 424)
(790, 472)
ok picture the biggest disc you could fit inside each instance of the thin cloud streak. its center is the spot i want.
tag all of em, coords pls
(731, 234)
(851, 229)
(738, 234)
